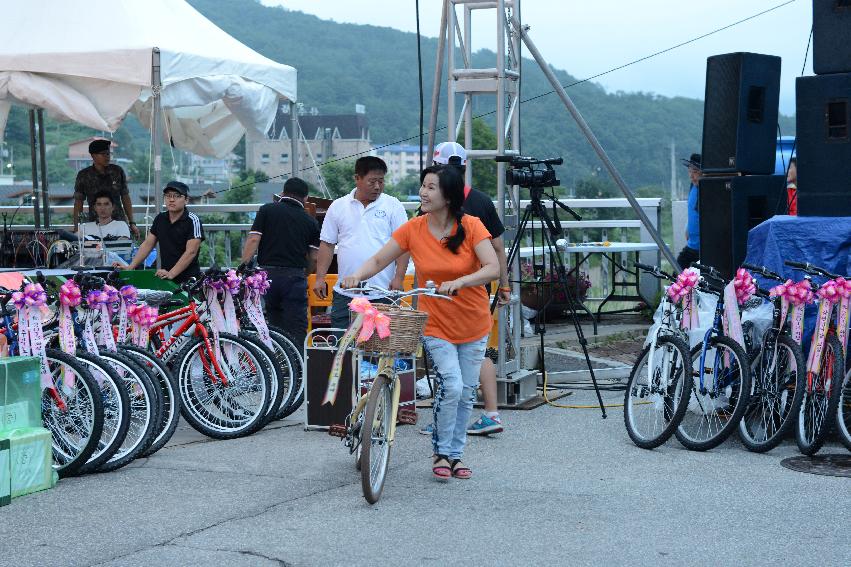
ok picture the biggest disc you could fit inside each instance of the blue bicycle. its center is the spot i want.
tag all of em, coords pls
(722, 386)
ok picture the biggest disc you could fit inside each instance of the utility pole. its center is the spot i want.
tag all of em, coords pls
(673, 170)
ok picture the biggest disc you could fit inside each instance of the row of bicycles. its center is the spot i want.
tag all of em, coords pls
(119, 366)
(735, 378)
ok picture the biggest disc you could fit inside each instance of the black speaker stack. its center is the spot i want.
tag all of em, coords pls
(822, 116)
(737, 190)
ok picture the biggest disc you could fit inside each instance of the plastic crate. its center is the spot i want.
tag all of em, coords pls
(31, 455)
(20, 393)
(147, 279)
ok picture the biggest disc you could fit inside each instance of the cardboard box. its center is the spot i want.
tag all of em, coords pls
(31, 456)
(20, 393)
(5, 473)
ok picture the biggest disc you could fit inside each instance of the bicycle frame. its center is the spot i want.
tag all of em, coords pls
(822, 340)
(386, 367)
(716, 329)
(191, 319)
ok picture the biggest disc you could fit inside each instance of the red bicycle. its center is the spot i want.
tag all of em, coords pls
(223, 383)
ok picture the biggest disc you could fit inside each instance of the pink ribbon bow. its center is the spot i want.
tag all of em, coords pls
(744, 286)
(686, 282)
(129, 294)
(258, 281)
(831, 291)
(373, 319)
(33, 295)
(232, 282)
(96, 298)
(70, 294)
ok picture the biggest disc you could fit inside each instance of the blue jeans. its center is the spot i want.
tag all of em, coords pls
(457, 369)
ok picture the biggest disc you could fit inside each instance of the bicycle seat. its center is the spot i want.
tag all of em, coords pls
(155, 297)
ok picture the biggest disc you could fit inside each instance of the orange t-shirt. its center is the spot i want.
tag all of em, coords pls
(467, 317)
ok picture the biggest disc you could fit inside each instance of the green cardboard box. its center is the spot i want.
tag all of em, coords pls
(31, 457)
(5, 473)
(20, 393)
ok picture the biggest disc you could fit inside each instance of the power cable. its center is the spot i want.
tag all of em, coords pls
(567, 86)
(420, 72)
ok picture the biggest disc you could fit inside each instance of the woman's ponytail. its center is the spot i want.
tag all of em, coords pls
(452, 186)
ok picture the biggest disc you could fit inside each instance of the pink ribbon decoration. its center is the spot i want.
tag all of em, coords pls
(127, 297)
(682, 291)
(232, 282)
(843, 287)
(30, 333)
(143, 317)
(258, 282)
(373, 320)
(744, 286)
(69, 296)
(732, 321)
(217, 318)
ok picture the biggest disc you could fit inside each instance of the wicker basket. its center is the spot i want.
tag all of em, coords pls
(406, 329)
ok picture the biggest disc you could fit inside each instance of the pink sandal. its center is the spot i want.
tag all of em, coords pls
(460, 470)
(441, 471)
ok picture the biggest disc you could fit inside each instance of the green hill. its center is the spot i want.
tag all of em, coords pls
(340, 65)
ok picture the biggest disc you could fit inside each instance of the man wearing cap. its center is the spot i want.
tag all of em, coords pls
(359, 224)
(179, 234)
(99, 177)
(691, 252)
(479, 205)
(286, 239)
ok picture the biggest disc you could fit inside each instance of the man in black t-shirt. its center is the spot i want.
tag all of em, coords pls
(179, 234)
(479, 205)
(286, 240)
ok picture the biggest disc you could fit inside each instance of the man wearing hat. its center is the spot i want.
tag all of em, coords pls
(691, 252)
(99, 177)
(179, 234)
(286, 240)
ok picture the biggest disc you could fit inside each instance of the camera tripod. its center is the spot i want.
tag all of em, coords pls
(536, 210)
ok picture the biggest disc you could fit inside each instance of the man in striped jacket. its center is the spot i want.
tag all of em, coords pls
(179, 234)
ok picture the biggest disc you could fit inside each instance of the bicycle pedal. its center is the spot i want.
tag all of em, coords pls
(337, 430)
(406, 416)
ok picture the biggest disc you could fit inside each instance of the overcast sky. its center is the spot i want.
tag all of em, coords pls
(585, 38)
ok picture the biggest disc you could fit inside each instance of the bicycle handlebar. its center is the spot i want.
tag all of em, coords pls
(708, 269)
(763, 271)
(396, 295)
(654, 271)
(810, 269)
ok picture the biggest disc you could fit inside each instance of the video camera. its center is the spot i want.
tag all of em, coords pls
(525, 171)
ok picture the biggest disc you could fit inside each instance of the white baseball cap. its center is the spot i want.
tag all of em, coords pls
(446, 150)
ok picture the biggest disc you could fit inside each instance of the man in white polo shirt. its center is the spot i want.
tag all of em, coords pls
(359, 224)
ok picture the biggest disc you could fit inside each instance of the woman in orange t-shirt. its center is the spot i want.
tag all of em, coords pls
(454, 251)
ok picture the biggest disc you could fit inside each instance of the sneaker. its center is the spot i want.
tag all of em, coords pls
(427, 430)
(485, 426)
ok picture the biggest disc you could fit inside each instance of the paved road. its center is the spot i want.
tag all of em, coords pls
(559, 487)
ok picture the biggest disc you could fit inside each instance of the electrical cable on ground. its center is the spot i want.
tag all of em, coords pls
(572, 406)
(575, 83)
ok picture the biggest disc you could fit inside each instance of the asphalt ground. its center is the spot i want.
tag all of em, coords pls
(558, 487)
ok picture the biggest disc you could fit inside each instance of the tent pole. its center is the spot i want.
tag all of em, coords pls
(436, 86)
(294, 139)
(156, 89)
(45, 192)
(35, 196)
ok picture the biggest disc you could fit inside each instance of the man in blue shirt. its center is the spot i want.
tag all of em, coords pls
(691, 252)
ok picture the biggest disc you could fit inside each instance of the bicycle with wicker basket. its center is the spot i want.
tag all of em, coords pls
(387, 331)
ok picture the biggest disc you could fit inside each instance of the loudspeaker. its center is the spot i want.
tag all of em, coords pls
(740, 113)
(831, 36)
(824, 145)
(729, 207)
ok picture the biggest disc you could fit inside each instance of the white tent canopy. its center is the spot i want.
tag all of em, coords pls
(92, 63)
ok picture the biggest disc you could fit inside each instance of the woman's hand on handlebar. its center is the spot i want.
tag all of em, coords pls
(450, 288)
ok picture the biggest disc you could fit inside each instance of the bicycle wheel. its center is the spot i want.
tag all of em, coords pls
(778, 375)
(843, 413)
(715, 406)
(294, 351)
(168, 391)
(116, 410)
(145, 409)
(73, 412)
(277, 384)
(217, 409)
(655, 401)
(375, 442)
(821, 399)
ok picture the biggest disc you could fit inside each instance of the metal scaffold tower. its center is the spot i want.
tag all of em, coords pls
(501, 84)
